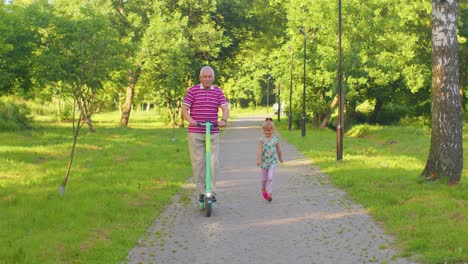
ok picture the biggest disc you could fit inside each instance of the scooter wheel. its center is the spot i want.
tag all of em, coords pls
(208, 206)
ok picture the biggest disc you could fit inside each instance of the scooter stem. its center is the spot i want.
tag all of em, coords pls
(208, 157)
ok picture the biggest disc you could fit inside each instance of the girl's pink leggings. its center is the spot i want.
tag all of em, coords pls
(267, 180)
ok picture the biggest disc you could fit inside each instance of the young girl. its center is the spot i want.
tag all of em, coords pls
(268, 157)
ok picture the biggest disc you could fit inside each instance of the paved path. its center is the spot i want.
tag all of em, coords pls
(308, 221)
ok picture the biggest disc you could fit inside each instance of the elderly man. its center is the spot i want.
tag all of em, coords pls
(202, 103)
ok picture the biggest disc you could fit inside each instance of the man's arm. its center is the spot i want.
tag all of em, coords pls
(186, 115)
(225, 116)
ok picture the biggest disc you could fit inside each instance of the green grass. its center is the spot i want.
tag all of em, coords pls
(380, 170)
(120, 181)
(122, 178)
(240, 112)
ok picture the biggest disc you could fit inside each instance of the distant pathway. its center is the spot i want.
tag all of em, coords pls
(308, 221)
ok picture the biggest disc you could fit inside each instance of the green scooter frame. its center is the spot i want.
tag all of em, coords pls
(208, 204)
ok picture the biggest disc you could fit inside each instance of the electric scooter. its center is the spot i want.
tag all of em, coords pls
(208, 204)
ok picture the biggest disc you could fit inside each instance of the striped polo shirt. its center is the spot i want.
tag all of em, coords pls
(204, 105)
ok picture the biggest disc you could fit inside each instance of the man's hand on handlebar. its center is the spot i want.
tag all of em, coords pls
(222, 123)
(193, 123)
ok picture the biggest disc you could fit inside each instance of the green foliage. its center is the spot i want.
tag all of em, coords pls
(14, 114)
(79, 52)
(392, 114)
(66, 114)
(179, 40)
(463, 44)
(19, 25)
(419, 121)
(386, 51)
(382, 58)
(5, 47)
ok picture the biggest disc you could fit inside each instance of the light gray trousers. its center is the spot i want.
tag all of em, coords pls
(196, 143)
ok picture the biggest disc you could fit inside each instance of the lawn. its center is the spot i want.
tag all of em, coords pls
(380, 170)
(122, 179)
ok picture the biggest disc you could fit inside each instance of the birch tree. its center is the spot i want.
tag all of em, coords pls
(445, 159)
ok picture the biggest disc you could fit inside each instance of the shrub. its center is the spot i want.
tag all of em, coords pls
(66, 114)
(392, 113)
(419, 121)
(14, 114)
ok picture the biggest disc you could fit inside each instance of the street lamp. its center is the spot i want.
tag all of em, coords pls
(339, 128)
(304, 89)
(290, 90)
(268, 94)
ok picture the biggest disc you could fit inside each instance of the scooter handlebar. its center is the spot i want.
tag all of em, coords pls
(213, 124)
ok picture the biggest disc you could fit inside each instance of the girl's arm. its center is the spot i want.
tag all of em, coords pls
(278, 150)
(259, 153)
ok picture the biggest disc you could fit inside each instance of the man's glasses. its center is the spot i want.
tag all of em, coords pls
(268, 119)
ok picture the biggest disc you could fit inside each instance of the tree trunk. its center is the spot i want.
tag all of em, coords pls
(179, 112)
(446, 152)
(72, 155)
(328, 115)
(171, 106)
(127, 108)
(377, 108)
(148, 107)
(317, 118)
(181, 122)
(76, 131)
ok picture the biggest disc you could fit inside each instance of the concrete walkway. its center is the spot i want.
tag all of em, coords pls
(308, 221)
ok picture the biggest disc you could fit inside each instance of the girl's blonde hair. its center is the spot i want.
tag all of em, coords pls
(268, 123)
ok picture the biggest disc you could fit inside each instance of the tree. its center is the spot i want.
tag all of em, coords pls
(164, 47)
(445, 159)
(78, 52)
(6, 48)
(131, 19)
(19, 24)
(463, 55)
(179, 40)
(253, 53)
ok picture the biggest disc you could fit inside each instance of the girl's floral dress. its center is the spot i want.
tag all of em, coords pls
(269, 154)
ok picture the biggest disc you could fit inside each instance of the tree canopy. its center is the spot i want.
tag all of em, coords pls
(386, 52)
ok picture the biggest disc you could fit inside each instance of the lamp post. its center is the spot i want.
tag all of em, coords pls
(290, 90)
(279, 102)
(268, 94)
(339, 128)
(304, 89)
